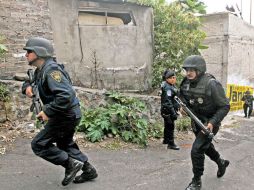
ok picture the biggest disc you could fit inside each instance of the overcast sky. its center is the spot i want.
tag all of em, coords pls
(219, 6)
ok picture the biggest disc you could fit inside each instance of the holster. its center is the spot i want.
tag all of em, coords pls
(167, 118)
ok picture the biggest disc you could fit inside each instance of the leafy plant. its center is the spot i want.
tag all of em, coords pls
(183, 124)
(123, 116)
(194, 6)
(4, 93)
(176, 34)
(156, 129)
(4, 97)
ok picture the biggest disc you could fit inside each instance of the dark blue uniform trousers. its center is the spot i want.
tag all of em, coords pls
(55, 142)
(202, 146)
(169, 127)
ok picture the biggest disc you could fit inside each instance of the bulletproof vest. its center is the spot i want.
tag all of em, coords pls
(198, 95)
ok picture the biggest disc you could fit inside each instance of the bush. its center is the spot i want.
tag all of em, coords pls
(177, 34)
(183, 124)
(122, 116)
(4, 93)
(156, 130)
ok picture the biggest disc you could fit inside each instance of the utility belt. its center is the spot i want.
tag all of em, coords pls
(164, 111)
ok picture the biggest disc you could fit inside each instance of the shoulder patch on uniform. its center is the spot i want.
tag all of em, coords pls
(56, 75)
(169, 93)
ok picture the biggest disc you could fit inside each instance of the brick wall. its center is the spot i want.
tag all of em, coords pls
(20, 20)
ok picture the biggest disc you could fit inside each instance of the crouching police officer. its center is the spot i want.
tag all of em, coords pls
(169, 108)
(61, 111)
(205, 96)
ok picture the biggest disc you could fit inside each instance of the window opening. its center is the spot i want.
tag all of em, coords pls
(105, 18)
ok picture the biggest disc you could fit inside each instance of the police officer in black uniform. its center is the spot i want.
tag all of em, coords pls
(205, 97)
(248, 104)
(60, 111)
(169, 108)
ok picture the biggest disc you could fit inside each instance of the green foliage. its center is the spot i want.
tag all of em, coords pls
(122, 116)
(176, 34)
(194, 6)
(156, 130)
(3, 48)
(183, 124)
(4, 93)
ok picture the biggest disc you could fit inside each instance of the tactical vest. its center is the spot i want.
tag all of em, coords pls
(198, 95)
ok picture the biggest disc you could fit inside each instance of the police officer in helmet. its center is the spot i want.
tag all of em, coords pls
(60, 111)
(169, 107)
(205, 96)
(248, 103)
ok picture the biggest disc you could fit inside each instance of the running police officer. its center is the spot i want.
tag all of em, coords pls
(169, 108)
(205, 96)
(60, 111)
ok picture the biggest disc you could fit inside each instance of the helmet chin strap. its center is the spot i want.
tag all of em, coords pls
(198, 75)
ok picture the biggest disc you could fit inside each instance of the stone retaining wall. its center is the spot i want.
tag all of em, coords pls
(19, 104)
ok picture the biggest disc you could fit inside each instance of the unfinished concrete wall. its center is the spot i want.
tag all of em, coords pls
(20, 20)
(241, 52)
(231, 48)
(111, 56)
(216, 56)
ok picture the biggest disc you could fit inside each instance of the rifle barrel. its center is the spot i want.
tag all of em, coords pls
(194, 117)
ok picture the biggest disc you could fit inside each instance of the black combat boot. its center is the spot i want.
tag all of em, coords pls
(164, 142)
(222, 165)
(71, 169)
(89, 173)
(172, 145)
(195, 184)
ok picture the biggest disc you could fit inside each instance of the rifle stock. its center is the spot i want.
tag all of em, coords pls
(207, 132)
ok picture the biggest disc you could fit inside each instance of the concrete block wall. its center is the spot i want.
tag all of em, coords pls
(123, 53)
(241, 52)
(231, 48)
(216, 56)
(20, 20)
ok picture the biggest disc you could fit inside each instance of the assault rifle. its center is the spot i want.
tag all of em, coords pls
(36, 98)
(207, 132)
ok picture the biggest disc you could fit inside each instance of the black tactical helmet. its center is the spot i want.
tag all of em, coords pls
(40, 46)
(168, 73)
(196, 62)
